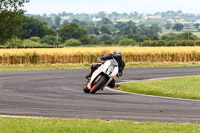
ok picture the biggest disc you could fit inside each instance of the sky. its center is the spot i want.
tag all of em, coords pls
(121, 6)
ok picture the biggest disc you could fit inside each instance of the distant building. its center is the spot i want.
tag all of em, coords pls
(66, 17)
(151, 17)
(180, 20)
(96, 19)
(127, 19)
(171, 21)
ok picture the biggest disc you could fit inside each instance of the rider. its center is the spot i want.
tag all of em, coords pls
(117, 55)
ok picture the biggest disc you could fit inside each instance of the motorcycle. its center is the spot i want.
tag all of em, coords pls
(102, 77)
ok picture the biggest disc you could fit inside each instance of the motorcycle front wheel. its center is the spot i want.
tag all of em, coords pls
(102, 81)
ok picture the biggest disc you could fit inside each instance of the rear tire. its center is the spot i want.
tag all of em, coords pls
(99, 84)
(112, 84)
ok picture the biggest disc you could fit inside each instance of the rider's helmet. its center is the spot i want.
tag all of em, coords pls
(117, 55)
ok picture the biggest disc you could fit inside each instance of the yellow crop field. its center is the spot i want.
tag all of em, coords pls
(90, 54)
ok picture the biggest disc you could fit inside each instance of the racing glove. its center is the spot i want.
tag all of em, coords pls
(100, 60)
(119, 74)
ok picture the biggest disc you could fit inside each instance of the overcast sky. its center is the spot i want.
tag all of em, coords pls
(94, 6)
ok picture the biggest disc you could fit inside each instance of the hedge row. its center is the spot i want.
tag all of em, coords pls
(170, 43)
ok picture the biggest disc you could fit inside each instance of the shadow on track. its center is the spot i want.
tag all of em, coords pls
(104, 93)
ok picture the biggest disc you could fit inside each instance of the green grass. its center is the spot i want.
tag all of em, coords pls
(49, 67)
(15, 68)
(34, 125)
(161, 65)
(182, 87)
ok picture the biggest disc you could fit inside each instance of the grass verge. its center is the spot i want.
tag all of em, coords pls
(35, 125)
(182, 87)
(136, 65)
(15, 68)
(86, 66)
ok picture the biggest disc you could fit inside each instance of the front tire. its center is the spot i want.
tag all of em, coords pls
(86, 90)
(102, 81)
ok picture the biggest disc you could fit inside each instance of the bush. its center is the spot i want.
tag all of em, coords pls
(127, 42)
(72, 42)
(94, 39)
(104, 37)
(170, 43)
(138, 38)
(145, 43)
(51, 40)
(187, 43)
(108, 42)
(85, 40)
(31, 44)
(153, 43)
(173, 43)
(197, 42)
(35, 39)
(161, 43)
(15, 42)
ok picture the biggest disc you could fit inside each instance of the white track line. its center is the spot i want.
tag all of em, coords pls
(153, 96)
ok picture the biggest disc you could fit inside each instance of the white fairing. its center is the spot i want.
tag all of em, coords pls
(110, 68)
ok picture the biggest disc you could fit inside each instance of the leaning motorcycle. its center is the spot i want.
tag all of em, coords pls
(102, 77)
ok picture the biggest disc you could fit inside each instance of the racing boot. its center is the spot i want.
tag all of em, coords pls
(88, 76)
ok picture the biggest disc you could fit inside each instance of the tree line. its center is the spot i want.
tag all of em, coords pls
(18, 30)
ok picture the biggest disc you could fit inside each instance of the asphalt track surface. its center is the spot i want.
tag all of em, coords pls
(58, 93)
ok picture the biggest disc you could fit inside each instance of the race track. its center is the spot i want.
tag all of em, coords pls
(58, 93)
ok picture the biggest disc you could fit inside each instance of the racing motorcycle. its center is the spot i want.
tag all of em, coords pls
(102, 77)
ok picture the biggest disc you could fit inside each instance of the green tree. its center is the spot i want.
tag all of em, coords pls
(155, 29)
(14, 42)
(170, 36)
(133, 24)
(65, 22)
(178, 27)
(72, 42)
(11, 16)
(196, 26)
(101, 14)
(72, 30)
(51, 40)
(33, 27)
(187, 36)
(104, 37)
(119, 25)
(108, 42)
(115, 14)
(127, 30)
(57, 21)
(168, 25)
(105, 22)
(139, 38)
(142, 30)
(127, 42)
(92, 29)
(161, 43)
(105, 30)
(35, 39)
(94, 39)
(79, 23)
